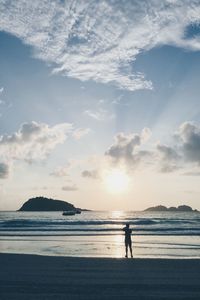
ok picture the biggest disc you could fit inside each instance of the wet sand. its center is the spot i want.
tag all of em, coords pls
(44, 277)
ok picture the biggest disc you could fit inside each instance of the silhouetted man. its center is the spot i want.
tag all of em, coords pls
(128, 242)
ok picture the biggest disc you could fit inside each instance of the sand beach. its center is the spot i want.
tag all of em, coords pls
(45, 277)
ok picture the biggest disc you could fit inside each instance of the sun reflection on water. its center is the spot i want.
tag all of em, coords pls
(117, 214)
(117, 240)
(117, 246)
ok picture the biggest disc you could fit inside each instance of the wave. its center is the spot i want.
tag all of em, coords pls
(22, 223)
(97, 229)
(57, 234)
(59, 222)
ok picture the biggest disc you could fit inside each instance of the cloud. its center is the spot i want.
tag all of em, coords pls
(4, 170)
(130, 151)
(189, 192)
(70, 188)
(168, 158)
(168, 167)
(80, 132)
(182, 153)
(167, 153)
(185, 151)
(36, 188)
(125, 148)
(192, 173)
(189, 136)
(99, 115)
(33, 141)
(100, 40)
(2, 102)
(93, 174)
(60, 172)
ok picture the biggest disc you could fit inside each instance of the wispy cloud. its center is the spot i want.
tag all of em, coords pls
(2, 102)
(1, 91)
(99, 114)
(80, 132)
(100, 40)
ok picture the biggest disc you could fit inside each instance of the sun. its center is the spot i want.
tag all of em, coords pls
(116, 181)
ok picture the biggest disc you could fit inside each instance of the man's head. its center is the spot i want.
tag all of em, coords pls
(127, 225)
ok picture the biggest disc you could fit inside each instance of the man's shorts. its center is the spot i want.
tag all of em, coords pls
(128, 242)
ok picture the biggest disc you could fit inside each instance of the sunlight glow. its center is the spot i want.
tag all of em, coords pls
(116, 181)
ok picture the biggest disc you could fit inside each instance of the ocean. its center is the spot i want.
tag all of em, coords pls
(99, 234)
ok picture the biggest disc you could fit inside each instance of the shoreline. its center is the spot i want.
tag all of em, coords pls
(26, 276)
(135, 258)
(102, 257)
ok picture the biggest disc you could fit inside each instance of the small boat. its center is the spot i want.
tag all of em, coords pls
(78, 211)
(69, 213)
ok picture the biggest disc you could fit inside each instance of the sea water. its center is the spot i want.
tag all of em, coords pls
(99, 233)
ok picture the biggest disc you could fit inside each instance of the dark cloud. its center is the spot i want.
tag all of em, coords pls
(36, 188)
(189, 134)
(4, 170)
(90, 174)
(70, 188)
(168, 158)
(192, 173)
(167, 153)
(126, 148)
(168, 168)
(188, 145)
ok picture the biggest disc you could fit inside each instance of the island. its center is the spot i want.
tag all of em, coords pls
(48, 204)
(180, 208)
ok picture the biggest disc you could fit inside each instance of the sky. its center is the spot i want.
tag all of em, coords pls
(99, 103)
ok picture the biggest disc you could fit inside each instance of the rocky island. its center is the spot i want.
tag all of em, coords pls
(180, 208)
(47, 204)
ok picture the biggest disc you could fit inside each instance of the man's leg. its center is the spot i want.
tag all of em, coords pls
(126, 247)
(130, 247)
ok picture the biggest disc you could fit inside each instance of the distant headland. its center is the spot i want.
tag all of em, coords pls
(48, 204)
(180, 208)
